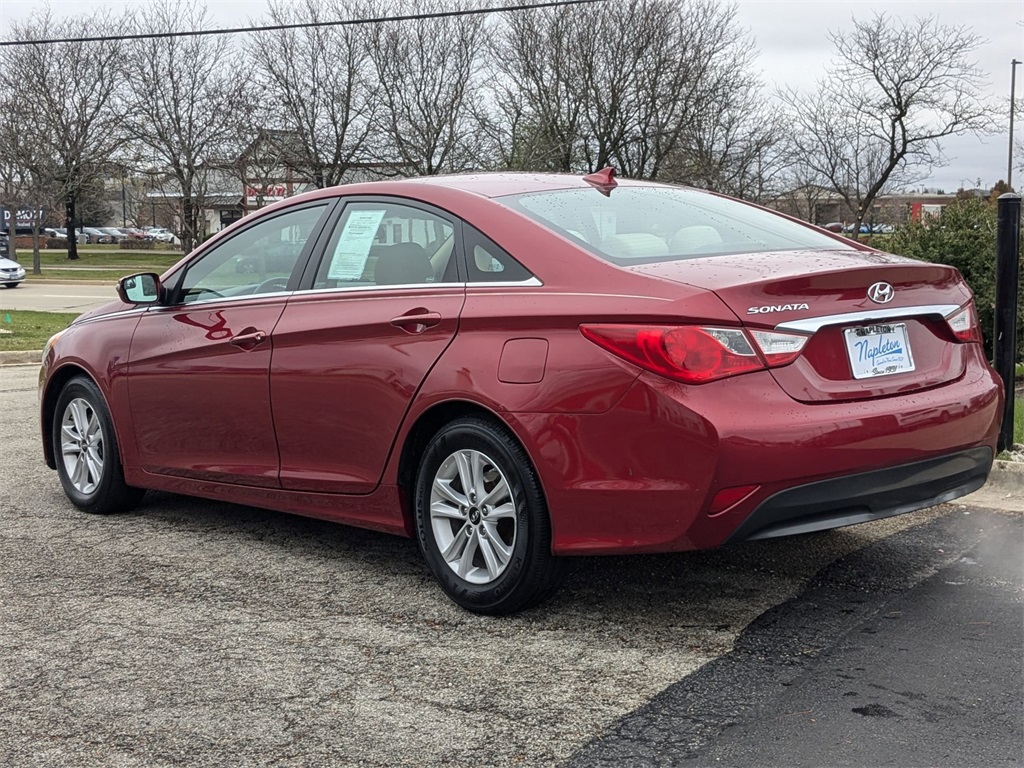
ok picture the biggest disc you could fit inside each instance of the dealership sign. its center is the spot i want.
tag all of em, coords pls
(268, 193)
(26, 217)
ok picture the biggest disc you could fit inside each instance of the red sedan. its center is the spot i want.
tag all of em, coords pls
(513, 368)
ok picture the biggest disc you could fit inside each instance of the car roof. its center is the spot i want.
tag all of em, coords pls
(501, 184)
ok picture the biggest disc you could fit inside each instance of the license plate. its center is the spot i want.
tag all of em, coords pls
(878, 350)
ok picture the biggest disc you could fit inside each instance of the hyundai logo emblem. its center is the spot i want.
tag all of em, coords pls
(881, 293)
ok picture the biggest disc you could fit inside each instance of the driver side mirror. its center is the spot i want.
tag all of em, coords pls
(144, 288)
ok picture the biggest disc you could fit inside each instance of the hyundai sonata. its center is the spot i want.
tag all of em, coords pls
(516, 368)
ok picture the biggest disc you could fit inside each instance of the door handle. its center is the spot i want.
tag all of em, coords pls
(417, 321)
(250, 338)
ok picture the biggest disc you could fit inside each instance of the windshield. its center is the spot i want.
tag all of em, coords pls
(636, 225)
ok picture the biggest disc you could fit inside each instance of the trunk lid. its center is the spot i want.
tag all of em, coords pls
(824, 294)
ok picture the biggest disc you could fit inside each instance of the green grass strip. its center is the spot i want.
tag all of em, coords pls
(22, 330)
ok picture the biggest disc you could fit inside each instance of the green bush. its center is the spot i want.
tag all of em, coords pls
(136, 245)
(963, 236)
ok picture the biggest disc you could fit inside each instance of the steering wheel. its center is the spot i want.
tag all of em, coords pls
(201, 294)
(273, 283)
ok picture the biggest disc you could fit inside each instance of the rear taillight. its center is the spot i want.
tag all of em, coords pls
(690, 354)
(779, 348)
(964, 324)
(697, 354)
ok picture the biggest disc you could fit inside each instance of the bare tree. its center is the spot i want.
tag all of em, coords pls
(803, 189)
(537, 91)
(187, 95)
(662, 90)
(428, 72)
(734, 145)
(72, 108)
(318, 85)
(23, 182)
(693, 108)
(895, 90)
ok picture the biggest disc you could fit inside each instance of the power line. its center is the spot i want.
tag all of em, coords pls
(303, 25)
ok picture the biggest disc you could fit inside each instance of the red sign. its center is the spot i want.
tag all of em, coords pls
(270, 190)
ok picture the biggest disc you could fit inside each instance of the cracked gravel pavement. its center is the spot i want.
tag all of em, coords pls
(198, 633)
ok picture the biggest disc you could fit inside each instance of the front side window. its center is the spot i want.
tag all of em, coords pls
(634, 225)
(259, 259)
(381, 243)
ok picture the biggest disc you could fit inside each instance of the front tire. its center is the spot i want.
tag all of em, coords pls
(481, 520)
(86, 453)
(10, 285)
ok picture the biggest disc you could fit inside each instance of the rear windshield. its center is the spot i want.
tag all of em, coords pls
(636, 225)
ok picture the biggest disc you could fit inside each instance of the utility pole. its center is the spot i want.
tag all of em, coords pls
(1013, 89)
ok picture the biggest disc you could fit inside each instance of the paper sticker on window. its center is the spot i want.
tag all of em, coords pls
(354, 245)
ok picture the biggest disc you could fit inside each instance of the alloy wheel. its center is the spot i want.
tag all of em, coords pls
(473, 516)
(81, 445)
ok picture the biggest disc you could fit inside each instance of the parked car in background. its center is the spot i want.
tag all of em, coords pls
(57, 232)
(114, 233)
(94, 235)
(864, 229)
(160, 234)
(11, 273)
(511, 368)
(833, 226)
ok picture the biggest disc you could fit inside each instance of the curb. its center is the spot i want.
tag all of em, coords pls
(26, 357)
(1006, 476)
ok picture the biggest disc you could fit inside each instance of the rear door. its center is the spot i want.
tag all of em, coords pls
(353, 347)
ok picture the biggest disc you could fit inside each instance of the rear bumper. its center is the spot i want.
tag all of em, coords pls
(867, 496)
(641, 477)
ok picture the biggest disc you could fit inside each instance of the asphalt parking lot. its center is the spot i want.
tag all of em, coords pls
(205, 634)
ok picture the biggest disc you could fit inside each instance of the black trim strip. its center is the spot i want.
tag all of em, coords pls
(866, 496)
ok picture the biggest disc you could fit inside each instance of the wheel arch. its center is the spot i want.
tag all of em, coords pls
(54, 386)
(424, 428)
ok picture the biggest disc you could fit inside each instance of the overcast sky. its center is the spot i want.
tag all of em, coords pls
(792, 37)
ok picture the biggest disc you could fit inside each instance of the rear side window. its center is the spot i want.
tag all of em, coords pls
(635, 225)
(488, 262)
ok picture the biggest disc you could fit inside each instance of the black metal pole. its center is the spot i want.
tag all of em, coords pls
(1007, 269)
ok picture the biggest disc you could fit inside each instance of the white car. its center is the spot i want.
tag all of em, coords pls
(161, 235)
(11, 273)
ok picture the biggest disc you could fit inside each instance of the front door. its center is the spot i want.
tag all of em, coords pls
(199, 388)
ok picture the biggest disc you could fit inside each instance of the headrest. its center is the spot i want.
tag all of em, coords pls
(402, 264)
(634, 245)
(691, 239)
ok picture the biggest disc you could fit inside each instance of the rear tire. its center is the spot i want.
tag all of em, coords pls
(481, 520)
(86, 452)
